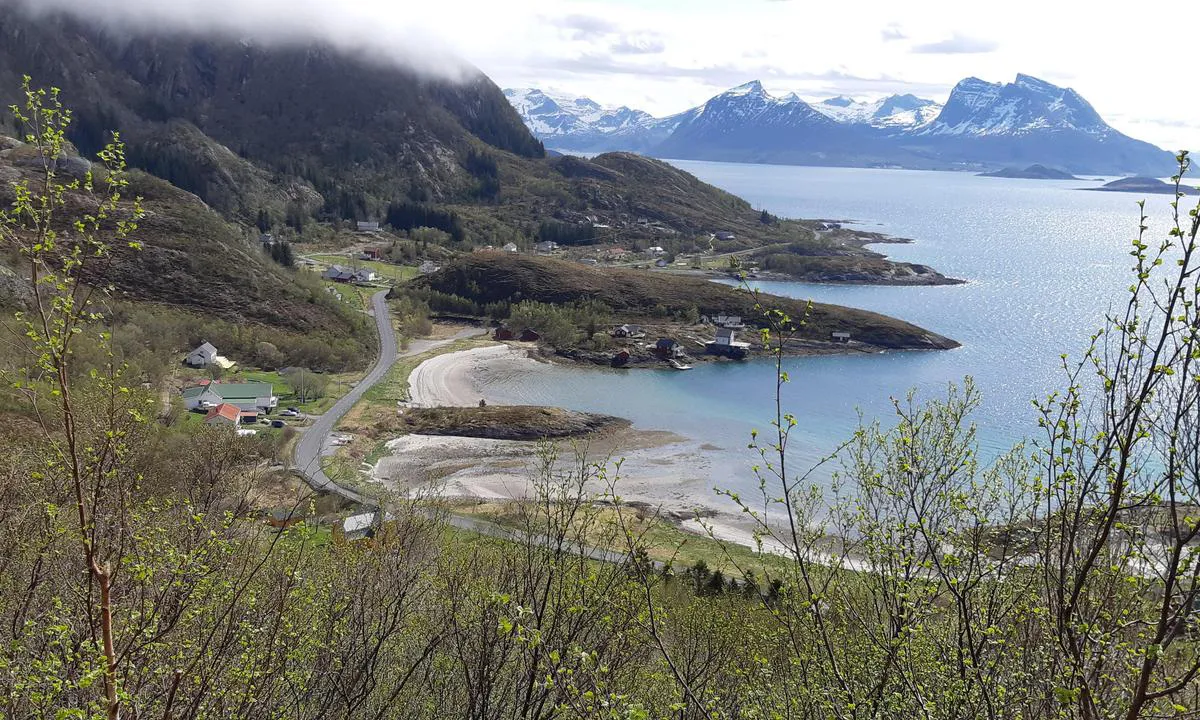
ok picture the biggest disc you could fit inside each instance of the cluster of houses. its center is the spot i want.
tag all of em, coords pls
(545, 247)
(723, 321)
(506, 333)
(613, 253)
(230, 404)
(724, 344)
(338, 273)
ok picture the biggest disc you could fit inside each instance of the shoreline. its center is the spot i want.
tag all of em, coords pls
(450, 379)
(656, 468)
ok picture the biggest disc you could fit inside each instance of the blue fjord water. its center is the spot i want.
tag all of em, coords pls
(1043, 261)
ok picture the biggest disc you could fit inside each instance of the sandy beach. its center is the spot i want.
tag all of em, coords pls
(449, 380)
(656, 467)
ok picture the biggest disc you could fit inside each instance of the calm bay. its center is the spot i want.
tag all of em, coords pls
(1043, 261)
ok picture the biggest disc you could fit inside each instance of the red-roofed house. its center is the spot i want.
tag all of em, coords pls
(224, 414)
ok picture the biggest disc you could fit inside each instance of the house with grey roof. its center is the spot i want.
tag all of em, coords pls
(202, 356)
(340, 273)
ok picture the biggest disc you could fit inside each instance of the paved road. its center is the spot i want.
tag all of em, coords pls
(314, 438)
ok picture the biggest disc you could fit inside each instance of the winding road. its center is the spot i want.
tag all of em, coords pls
(316, 437)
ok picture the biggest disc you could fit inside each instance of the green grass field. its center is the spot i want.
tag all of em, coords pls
(387, 271)
(338, 386)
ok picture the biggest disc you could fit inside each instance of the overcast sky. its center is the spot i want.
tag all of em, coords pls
(664, 56)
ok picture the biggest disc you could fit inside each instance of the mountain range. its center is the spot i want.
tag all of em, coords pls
(982, 126)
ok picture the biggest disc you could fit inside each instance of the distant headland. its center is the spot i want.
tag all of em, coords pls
(1033, 172)
(1145, 185)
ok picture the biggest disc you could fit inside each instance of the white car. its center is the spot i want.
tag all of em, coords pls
(289, 413)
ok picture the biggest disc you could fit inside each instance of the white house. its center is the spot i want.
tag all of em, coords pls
(727, 345)
(202, 356)
(359, 527)
(368, 226)
(728, 337)
(656, 251)
(843, 337)
(248, 397)
(546, 246)
(510, 247)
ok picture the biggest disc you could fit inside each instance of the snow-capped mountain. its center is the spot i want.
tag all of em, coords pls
(1032, 121)
(982, 125)
(1029, 105)
(746, 123)
(582, 124)
(751, 104)
(898, 112)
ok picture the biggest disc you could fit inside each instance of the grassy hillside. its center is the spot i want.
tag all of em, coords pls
(279, 130)
(209, 275)
(493, 277)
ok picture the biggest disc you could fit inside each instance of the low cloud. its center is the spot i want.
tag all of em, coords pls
(569, 71)
(385, 37)
(585, 27)
(957, 45)
(638, 45)
(893, 32)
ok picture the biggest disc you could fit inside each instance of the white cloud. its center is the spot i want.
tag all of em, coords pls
(956, 45)
(413, 39)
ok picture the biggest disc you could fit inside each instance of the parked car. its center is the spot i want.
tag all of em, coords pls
(290, 413)
(276, 423)
(294, 410)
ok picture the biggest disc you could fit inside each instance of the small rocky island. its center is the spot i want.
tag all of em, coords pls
(1033, 172)
(1145, 185)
